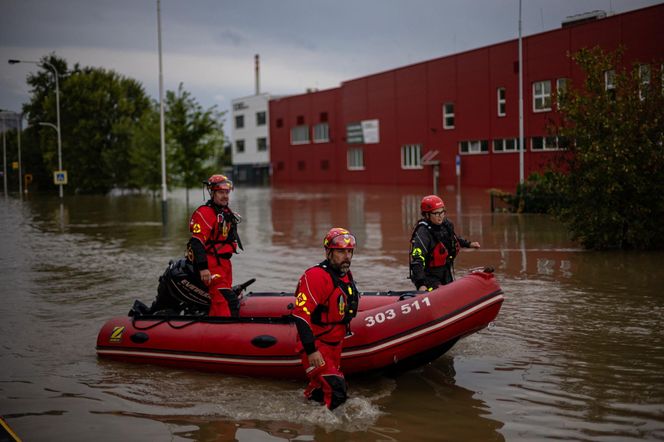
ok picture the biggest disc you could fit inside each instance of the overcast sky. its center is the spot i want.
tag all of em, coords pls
(209, 45)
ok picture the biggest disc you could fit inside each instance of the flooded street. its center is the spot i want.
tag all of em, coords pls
(576, 353)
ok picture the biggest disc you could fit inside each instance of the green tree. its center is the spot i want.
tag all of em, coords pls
(40, 154)
(615, 180)
(195, 139)
(8, 138)
(99, 112)
(145, 153)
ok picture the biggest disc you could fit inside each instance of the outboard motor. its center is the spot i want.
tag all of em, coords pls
(181, 290)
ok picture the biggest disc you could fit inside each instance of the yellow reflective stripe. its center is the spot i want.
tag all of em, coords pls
(417, 254)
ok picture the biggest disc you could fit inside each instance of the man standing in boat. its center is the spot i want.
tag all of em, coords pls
(326, 301)
(434, 245)
(213, 242)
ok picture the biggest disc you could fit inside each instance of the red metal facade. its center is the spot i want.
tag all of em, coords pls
(408, 103)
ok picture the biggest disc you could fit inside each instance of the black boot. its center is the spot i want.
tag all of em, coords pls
(232, 300)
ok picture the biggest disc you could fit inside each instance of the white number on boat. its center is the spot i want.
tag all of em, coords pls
(381, 317)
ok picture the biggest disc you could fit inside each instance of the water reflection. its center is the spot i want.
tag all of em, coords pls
(429, 405)
(577, 350)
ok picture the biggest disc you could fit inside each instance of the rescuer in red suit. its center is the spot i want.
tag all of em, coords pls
(434, 245)
(214, 240)
(326, 301)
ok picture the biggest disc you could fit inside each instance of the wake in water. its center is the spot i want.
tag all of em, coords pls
(176, 396)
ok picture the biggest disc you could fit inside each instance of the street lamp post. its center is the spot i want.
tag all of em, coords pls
(19, 127)
(162, 124)
(56, 74)
(521, 129)
(41, 123)
(4, 158)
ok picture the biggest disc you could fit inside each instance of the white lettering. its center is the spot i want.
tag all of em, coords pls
(390, 314)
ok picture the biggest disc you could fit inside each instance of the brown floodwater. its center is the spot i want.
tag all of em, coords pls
(576, 353)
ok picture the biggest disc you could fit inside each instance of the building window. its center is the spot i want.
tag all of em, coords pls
(644, 80)
(561, 88)
(549, 143)
(502, 106)
(261, 144)
(301, 165)
(474, 147)
(324, 165)
(239, 121)
(506, 145)
(448, 116)
(260, 118)
(610, 83)
(410, 156)
(323, 117)
(542, 96)
(609, 80)
(300, 135)
(280, 122)
(300, 120)
(355, 158)
(354, 133)
(239, 146)
(321, 133)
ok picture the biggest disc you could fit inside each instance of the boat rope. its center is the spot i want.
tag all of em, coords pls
(167, 321)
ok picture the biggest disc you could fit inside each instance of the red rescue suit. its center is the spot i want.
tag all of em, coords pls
(214, 240)
(324, 306)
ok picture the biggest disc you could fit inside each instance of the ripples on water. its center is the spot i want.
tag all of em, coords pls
(576, 353)
(575, 364)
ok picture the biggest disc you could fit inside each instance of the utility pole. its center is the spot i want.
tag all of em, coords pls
(521, 173)
(162, 126)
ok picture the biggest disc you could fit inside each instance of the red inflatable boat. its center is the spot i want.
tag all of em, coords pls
(393, 331)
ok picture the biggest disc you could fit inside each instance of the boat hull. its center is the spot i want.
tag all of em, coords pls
(392, 331)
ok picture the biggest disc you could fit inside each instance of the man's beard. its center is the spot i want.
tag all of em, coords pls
(343, 267)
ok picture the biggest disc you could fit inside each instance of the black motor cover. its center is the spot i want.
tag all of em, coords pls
(181, 289)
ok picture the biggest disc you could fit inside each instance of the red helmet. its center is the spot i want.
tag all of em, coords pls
(218, 182)
(430, 203)
(339, 238)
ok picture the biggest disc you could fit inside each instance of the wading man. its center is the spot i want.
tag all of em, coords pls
(326, 301)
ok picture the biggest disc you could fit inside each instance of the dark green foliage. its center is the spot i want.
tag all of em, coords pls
(103, 109)
(145, 152)
(39, 143)
(540, 193)
(99, 110)
(195, 139)
(111, 134)
(615, 186)
(609, 184)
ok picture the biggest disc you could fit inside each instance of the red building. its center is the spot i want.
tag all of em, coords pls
(377, 129)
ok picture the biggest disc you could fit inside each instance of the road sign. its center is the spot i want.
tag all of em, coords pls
(428, 158)
(60, 177)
